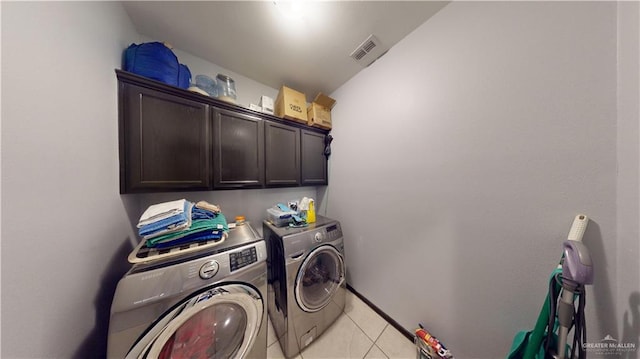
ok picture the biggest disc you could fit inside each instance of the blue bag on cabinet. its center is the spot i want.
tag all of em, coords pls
(156, 61)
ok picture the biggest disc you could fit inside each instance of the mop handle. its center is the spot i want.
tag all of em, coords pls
(578, 228)
(565, 305)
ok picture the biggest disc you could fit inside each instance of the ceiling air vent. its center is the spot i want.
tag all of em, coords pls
(359, 54)
(368, 51)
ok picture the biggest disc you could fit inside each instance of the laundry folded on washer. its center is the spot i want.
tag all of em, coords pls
(171, 224)
(165, 226)
(208, 206)
(161, 211)
(204, 226)
(190, 238)
(200, 230)
(199, 213)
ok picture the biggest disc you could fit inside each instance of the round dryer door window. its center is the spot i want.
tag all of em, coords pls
(218, 323)
(320, 275)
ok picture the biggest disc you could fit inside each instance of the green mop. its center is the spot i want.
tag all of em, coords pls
(528, 344)
(557, 316)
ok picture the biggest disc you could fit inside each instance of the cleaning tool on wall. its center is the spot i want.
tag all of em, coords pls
(558, 315)
(577, 271)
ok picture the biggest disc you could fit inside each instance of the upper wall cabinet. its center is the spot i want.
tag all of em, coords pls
(238, 156)
(282, 154)
(164, 141)
(314, 161)
(176, 140)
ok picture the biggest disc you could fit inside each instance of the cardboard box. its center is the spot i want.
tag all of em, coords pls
(291, 105)
(319, 112)
(266, 103)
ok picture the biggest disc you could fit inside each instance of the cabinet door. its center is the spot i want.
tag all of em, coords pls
(313, 162)
(282, 155)
(165, 142)
(238, 142)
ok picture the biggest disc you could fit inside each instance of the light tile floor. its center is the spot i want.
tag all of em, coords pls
(358, 333)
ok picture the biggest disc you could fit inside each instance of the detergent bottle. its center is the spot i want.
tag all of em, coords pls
(311, 212)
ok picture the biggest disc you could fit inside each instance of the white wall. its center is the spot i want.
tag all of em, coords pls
(64, 225)
(461, 158)
(252, 204)
(248, 91)
(66, 231)
(628, 294)
(477, 139)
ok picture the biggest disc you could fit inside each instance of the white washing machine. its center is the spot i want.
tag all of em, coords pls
(307, 281)
(210, 303)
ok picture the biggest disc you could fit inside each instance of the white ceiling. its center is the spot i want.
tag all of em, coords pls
(309, 51)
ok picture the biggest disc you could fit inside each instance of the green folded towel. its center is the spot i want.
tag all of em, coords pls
(197, 225)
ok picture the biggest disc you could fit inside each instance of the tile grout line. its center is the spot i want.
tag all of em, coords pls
(363, 332)
(354, 322)
(374, 341)
(375, 345)
(371, 347)
(382, 351)
(379, 335)
(381, 313)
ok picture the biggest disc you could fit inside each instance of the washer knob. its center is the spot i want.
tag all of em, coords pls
(209, 269)
(318, 237)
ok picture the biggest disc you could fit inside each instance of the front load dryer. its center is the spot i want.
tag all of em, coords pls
(307, 281)
(208, 304)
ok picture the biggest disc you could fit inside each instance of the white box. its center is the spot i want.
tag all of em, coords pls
(255, 107)
(266, 103)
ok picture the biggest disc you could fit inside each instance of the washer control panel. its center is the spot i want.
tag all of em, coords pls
(242, 258)
(334, 232)
(327, 233)
(209, 269)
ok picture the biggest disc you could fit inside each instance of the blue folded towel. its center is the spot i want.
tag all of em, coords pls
(199, 213)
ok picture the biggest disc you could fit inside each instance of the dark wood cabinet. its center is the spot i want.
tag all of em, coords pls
(282, 154)
(171, 139)
(238, 156)
(164, 142)
(313, 161)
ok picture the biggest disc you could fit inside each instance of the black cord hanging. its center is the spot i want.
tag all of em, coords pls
(327, 145)
(554, 293)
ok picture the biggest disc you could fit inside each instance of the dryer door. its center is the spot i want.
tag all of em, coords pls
(320, 275)
(220, 322)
